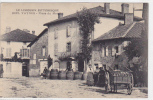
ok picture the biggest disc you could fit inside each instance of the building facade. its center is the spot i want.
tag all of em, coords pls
(14, 52)
(64, 39)
(38, 53)
(108, 49)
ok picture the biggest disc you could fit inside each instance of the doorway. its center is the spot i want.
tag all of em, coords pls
(81, 65)
(25, 71)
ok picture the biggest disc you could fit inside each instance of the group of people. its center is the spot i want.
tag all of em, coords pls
(100, 76)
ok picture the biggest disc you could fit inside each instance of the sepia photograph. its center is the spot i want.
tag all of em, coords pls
(74, 50)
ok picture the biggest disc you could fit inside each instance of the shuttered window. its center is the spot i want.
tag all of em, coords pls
(113, 51)
(55, 48)
(8, 52)
(43, 51)
(68, 47)
(107, 51)
(34, 59)
(56, 33)
(102, 51)
(68, 31)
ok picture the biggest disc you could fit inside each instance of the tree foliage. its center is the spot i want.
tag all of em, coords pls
(86, 20)
(138, 48)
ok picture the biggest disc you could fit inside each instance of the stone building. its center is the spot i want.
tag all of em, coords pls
(38, 53)
(108, 49)
(64, 37)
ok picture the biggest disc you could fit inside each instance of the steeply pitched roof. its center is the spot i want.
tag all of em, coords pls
(132, 30)
(36, 39)
(99, 10)
(18, 36)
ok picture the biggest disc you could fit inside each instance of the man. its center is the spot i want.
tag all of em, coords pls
(1, 71)
(45, 72)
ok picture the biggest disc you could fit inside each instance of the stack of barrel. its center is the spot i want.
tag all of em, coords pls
(69, 75)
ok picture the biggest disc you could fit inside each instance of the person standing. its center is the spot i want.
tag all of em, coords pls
(107, 80)
(1, 71)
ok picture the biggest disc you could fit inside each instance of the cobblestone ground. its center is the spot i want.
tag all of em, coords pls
(44, 88)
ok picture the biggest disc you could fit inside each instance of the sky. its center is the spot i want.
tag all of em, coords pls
(32, 16)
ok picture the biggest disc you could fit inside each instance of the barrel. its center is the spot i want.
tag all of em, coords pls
(78, 75)
(62, 75)
(90, 80)
(69, 75)
(54, 74)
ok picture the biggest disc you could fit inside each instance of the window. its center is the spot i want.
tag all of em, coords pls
(56, 33)
(105, 51)
(68, 48)
(68, 31)
(43, 51)
(34, 58)
(25, 52)
(8, 52)
(116, 67)
(55, 48)
(116, 49)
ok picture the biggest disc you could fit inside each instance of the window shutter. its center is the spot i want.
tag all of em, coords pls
(102, 51)
(9, 52)
(120, 49)
(20, 52)
(28, 53)
(113, 51)
(107, 51)
(69, 31)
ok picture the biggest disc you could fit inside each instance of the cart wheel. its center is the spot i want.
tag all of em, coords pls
(129, 89)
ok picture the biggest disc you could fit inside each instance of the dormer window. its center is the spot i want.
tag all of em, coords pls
(68, 31)
(56, 33)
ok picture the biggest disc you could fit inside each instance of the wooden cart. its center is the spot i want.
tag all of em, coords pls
(119, 78)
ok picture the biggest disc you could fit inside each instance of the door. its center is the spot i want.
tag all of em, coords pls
(69, 66)
(43, 64)
(25, 71)
(81, 65)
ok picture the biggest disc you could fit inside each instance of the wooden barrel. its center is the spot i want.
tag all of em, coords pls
(54, 74)
(78, 75)
(90, 80)
(62, 75)
(69, 75)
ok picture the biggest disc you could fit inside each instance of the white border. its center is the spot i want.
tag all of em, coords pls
(150, 39)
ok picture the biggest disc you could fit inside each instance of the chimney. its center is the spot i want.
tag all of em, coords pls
(125, 8)
(26, 30)
(128, 18)
(106, 7)
(33, 32)
(8, 29)
(60, 15)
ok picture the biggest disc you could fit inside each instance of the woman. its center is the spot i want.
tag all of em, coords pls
(107, 80)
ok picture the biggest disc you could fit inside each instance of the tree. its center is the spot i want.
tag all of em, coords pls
(86, 20)
(139, 48)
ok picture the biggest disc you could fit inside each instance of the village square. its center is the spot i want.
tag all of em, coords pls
(67, 60)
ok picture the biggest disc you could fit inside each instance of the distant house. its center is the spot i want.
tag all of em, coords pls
(38, 53)
(64, 39)
(14, 52)
(108, 48)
